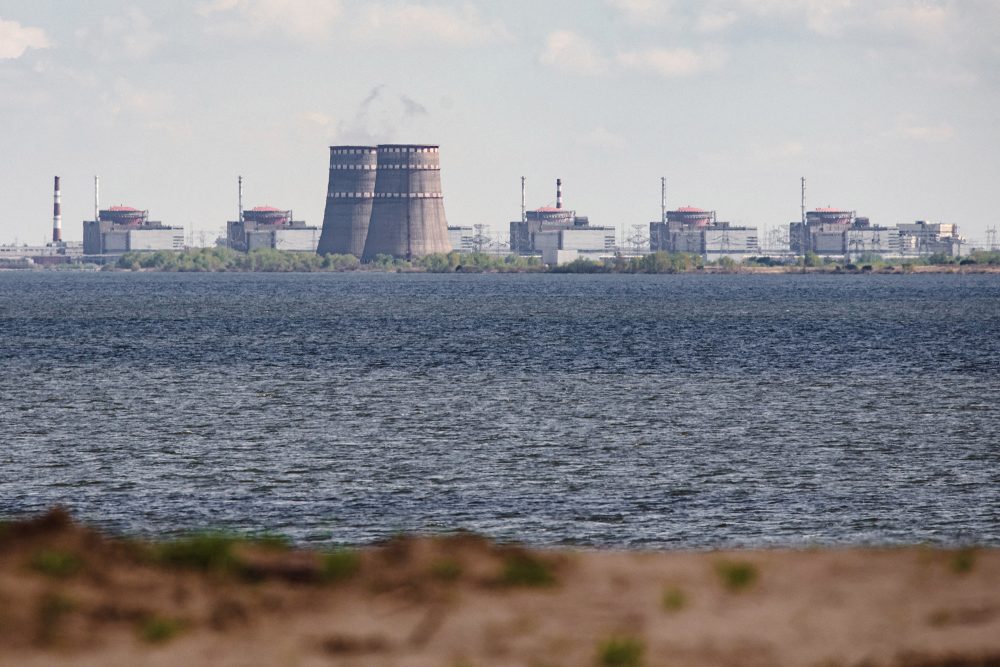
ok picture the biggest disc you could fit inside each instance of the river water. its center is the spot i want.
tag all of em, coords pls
(608, 411)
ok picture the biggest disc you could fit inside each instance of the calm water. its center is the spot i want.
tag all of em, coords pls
(625, 411)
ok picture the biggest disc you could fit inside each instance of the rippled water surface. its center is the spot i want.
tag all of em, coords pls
(625, 411)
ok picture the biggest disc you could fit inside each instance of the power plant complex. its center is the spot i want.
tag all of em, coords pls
(387, 201)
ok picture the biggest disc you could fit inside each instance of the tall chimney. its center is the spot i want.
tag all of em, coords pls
(524, 215)
(558, 193)
(240, 204)
(57, 214)
(97, 198)
(663, 199)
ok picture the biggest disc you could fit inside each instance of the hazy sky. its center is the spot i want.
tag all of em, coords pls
(888, 107)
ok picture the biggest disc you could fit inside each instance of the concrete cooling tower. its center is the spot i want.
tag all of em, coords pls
(408, 212)
(349, 197)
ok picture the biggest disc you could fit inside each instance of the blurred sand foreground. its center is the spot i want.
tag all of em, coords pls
(70, 596)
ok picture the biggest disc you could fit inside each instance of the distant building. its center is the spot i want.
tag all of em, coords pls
(122, 229)
(841, 233)
(462, 239)
(269, 227)
(558, 228)
(698, 231)
(62, 252)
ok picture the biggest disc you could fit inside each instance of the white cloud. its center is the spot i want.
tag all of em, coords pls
(409, 24)
(642, 12)
(716, 21)
(671, 63)
(310, 20)
(570, 52)
(601, 137)
(926, 133)
(15, 39)
(130, 36)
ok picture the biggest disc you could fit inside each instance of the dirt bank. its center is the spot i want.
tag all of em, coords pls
(68, 595)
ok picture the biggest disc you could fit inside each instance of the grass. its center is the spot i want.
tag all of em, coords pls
(673, 599)
(620, 652)
(736, 576)
(52, 608)
(158, 629)
(56, 564)
(203, 551)
(446, 569)
(340, 565)
(963, 560)
(523, 569)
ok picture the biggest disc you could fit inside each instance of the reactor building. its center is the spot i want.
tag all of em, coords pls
(694, 230)
(842, 233)
(122, 229)
(558, 233)
(385, 200)
(269, 227)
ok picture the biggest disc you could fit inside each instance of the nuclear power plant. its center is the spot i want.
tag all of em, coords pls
(385, 200)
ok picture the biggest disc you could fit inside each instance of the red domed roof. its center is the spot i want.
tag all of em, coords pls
(266, 209)
(691, 209)
(124, 209)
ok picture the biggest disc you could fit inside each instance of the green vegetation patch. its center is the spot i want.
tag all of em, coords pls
(620, 652)
(963, 560)
(446, 569)
(159, 629)
(736, 576)
(52, 608)
(203, 551)
(523, 569)
(340, 565)
(57, 564)
(673, 600)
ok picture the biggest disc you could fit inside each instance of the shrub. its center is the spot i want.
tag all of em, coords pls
(736, 575)
(58, 564)
(523, 569)
(620, 652)
(673, 599)
(157, 629)
(340, 565)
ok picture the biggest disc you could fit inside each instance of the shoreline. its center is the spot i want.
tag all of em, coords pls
(74, 596)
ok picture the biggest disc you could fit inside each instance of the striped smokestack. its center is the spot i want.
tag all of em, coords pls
(57, 214)
(558, 193)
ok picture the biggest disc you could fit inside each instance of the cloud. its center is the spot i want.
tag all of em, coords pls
(310, 20)
(642, 12)
(601, 137)
(129, 36)
(933, 134)
(410, 24)
(15, 39)
(570, 52)
(673, 63)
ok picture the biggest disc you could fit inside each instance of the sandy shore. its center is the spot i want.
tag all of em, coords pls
(71, 596)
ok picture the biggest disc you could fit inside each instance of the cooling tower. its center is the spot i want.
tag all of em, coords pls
(348, 200)
(408, 212)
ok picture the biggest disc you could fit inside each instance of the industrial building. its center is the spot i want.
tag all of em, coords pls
(407, 219)
(269, 227)
(350, 195)
(462, 239)
(833, 232)
(698, 231)
(558, 233)
(122, 229)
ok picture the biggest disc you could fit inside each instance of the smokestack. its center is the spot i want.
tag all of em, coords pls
(803, 200)
(524, 213)
(57, 214)
(97, 198)
(663, 199)
(240, 204)
(558, 193)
